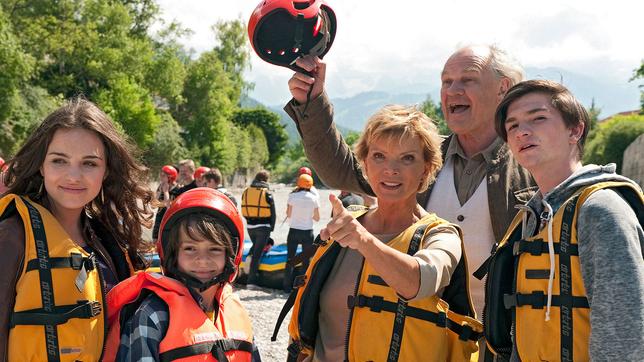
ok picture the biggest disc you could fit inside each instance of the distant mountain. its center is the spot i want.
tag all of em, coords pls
(611, 96)
(352, 112)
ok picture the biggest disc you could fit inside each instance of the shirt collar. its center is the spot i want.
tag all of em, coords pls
(489, 154)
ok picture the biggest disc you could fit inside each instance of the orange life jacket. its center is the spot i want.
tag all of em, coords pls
(191, 335)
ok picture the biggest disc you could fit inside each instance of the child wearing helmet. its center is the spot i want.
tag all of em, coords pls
(190, 310)
(302, 210)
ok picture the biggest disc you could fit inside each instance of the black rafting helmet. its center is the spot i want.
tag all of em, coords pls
(216, 204)
(281, 31)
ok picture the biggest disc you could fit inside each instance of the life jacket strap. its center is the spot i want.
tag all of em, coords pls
(216, 348)
(285, 309)
(538, 300)
(75, 261)
(538, 247)
(377, 304)
(61, 314)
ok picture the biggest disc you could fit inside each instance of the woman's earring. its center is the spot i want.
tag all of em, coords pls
(102, 197)
(40, 189)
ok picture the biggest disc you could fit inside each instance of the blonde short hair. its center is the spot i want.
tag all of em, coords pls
(397, 121)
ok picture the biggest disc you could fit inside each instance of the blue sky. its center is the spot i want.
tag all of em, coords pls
(401, 46)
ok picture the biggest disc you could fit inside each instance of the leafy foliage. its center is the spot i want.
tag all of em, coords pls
(434, 111)
(612, 138)
(639, 74)
(269, 123)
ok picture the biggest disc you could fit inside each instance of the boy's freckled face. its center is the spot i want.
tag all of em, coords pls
(200, 258)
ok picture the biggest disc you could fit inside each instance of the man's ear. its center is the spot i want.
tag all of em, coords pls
(504, 85)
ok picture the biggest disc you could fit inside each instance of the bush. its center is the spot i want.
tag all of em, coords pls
(611, 139)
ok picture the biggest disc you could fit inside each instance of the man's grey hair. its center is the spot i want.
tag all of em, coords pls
(505, 66)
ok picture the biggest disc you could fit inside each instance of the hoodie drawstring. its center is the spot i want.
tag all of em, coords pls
(551, 254)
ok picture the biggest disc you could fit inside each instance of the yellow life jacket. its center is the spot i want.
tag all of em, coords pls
(58, 315)
(191, 335)
(517, 287)
(383, 327)
(254, 204)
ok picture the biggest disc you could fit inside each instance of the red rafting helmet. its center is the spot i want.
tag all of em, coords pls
(282, 31)
(171, 172)
(305, 170)
(214, 203)
(200, 171)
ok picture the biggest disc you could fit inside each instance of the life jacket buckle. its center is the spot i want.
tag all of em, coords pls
(90, 309)
(76, 260)
(90, 262)
(294, 349)
(466, 332)
(299, 281)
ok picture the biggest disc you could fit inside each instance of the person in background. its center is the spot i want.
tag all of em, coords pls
(70, 230)
(199, 172)
(214, 180)
(190, 310)
(307, 171)
(186, 177)
(569, 272)
(348, 198)
(303, 210)
(165, 194)
(258, 207)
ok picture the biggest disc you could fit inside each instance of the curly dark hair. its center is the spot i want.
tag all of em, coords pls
(124, 206)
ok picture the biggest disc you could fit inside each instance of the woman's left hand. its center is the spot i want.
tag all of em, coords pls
(344, 228)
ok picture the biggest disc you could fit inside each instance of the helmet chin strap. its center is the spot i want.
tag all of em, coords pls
(201, 286)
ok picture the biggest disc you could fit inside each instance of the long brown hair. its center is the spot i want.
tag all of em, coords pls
(123, 206)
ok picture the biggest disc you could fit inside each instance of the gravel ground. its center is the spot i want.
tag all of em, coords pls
(263, 306)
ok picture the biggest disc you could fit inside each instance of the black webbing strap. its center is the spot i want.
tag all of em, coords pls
(538, 300)
(538, 247)
(565, 280)
(401, 307)
(217, 348)
(61, 314)
(378, 304)
(46, 284)
(285, 309)
(74, 261)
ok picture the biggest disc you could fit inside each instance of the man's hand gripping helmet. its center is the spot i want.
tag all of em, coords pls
(281, 31)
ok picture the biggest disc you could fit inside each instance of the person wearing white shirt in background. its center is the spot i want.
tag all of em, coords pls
(303, 209)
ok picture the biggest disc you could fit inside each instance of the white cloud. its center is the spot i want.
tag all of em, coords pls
(405, 43)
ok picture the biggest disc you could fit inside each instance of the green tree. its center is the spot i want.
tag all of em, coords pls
(130, 104)
(168, 145)
(269, 123)
(639, 74)
(593, 114)
(16, 66)
(233, 52)
(434, 111)
(612, 138)
(204, 116)
(352, 137)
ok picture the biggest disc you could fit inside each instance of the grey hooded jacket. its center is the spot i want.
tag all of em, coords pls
(610, 240)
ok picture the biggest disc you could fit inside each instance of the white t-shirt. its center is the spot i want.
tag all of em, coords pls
(302, 203)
